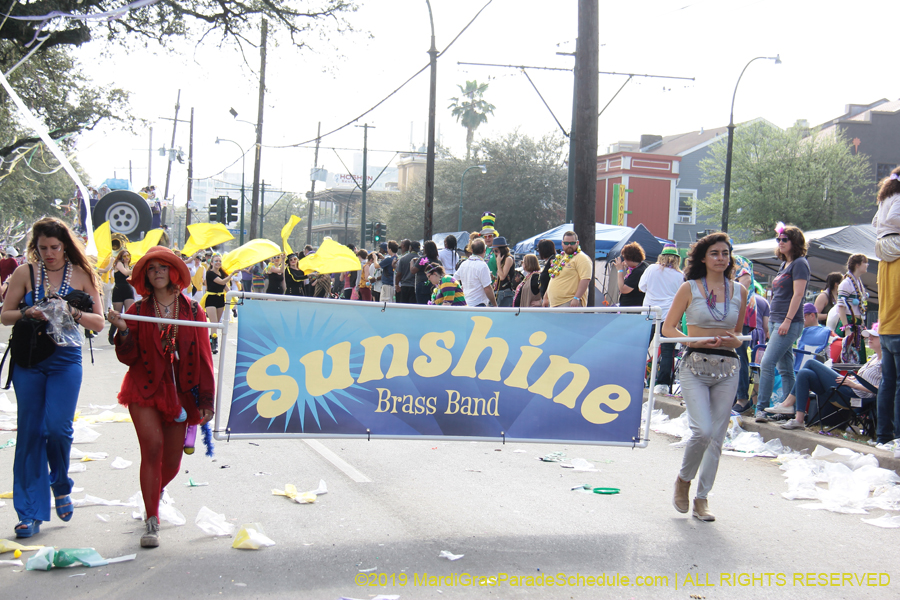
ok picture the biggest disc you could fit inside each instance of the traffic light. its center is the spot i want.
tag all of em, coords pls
(379, 232)
(370, 228)
(217, 209)
(232, 215)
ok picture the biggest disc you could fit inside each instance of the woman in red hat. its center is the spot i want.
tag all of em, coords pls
(170, 383)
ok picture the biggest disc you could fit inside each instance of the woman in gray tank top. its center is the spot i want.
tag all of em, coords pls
(714, 305)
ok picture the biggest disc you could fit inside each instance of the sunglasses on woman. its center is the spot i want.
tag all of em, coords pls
(782, 240)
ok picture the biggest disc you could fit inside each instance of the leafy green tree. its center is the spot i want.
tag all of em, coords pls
(525, 186)
(471, 110)
(30, 192)
(226, 20)
(53, 86)
(813, 180)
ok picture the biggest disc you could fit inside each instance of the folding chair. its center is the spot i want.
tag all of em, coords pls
(860, 412)
(813, 342)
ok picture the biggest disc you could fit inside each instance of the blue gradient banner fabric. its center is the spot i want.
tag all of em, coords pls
(347, 369)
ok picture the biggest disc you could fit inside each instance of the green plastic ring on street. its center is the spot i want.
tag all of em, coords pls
(606, 491)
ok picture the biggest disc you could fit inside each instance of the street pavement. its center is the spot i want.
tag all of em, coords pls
(392, 507)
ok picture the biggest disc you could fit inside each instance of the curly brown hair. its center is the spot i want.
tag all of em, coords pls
(695, 268)
(798, 243)
(888, 187)
(633, 252)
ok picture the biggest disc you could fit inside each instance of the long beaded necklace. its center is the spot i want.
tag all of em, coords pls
(168, 332)
(717, 314)
(862, 300)
(560, 261)
(45, 279)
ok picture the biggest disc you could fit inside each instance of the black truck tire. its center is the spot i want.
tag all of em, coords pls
(127, 213)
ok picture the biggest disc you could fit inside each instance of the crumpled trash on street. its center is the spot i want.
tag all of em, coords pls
(309, 497)
(11, 546)
(89, 500)
(580, 464)
(449, 555)
(885, 521)
(553, 457)
(76, 454)
(48, 558)
(6, 405)
(251, 537)
(854, 482)
(751, 443)
(83, 433)
(212, 523)
(167, 510)
(120, 463)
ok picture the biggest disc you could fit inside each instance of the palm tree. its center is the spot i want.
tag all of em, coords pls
(471, 110)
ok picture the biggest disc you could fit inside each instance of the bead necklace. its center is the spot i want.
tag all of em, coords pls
(168, 332)
(66, 279)
(857, 284)
(560, 261)
(717, 314)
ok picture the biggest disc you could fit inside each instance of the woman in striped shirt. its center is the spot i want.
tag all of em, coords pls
(446, 289)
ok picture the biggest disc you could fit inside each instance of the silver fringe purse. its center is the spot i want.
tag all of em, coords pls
(711, 363)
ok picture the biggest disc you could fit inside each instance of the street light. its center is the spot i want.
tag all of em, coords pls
(461, 184)
(727, 194)
(243, 164)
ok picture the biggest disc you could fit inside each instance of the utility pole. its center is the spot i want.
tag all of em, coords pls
(587, 60)
(262, 210)
(254, 203)
(570, 180)
(169, 167)
(429, 161)
(150, 159)
(362, 217)
(312, 193)
(187, 217)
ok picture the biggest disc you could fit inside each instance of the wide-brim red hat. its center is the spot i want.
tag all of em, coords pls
(178, 273)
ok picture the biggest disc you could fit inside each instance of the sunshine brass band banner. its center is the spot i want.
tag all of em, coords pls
(352, 369)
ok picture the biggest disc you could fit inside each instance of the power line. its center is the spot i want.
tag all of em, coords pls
(383, 100)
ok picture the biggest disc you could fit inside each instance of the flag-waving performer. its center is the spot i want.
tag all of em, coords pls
(170, 373)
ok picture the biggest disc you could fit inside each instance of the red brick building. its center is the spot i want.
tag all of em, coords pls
(652, 177)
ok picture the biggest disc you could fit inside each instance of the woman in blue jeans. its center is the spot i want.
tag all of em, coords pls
(47, 392)
(785, 318)
(816, 377)
(714, 305)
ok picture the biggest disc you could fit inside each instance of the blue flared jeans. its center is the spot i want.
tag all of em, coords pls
(46, 396)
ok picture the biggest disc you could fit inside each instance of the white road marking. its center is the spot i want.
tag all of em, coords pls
(337, 461)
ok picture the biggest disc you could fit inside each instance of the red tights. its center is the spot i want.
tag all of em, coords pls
(161, 446)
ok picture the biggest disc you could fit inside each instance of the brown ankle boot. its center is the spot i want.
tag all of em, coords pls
(701, 510)
(681, 500)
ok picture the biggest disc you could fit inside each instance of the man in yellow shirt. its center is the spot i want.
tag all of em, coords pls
(570, 275)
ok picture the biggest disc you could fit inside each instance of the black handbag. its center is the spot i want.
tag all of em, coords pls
(29, 342)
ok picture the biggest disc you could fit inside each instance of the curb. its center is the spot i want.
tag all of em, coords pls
(797, 439)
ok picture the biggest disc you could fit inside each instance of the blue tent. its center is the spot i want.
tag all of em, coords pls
(609, 239)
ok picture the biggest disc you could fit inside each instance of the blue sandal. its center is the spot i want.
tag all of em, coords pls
(32, 526)
(66, 508)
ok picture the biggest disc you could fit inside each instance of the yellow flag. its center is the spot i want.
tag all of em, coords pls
(244, 257)
(286, 233)
(103, 240)
(331, 257)
(139, 249)
(205, 235)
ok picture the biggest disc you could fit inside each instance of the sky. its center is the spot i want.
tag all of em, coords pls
(831, 56)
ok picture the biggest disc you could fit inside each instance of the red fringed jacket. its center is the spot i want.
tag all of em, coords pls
(149, 380)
